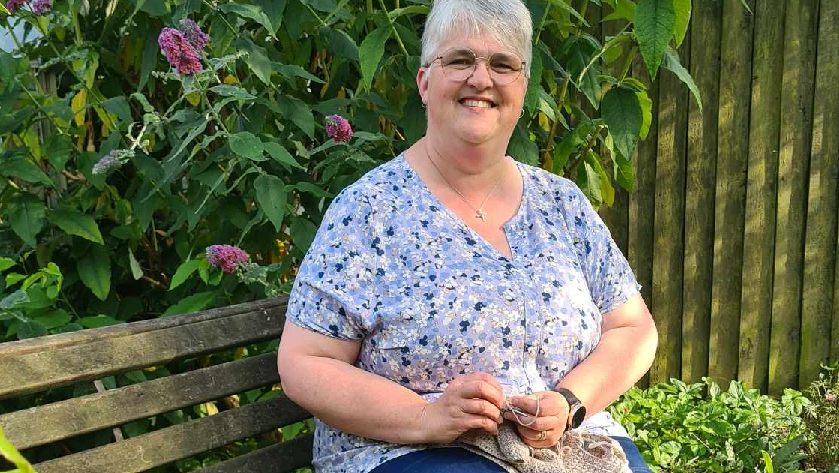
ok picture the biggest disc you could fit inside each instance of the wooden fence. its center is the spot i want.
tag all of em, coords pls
(732, 228)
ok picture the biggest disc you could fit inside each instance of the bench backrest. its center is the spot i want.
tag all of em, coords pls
(36, 365)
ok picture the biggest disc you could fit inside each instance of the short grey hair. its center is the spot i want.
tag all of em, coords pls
(507, 21)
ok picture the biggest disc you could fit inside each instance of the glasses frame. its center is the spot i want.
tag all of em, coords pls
(475, 67)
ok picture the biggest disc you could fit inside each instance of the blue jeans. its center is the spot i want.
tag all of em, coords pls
(458, 460)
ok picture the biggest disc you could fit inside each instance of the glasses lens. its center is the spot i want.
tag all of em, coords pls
(505, 67)
(458, 64)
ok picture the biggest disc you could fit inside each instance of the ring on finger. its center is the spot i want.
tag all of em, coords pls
(543, 435)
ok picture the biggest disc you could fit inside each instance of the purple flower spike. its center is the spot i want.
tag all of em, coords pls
(14, 5)
(338, 128)
(226, 257)
(193, 34)
(39, 7)
(179, 52)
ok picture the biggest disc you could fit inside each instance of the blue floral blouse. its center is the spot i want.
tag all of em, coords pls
(431, 300)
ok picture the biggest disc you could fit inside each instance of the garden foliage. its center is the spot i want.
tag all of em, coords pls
(137, 133)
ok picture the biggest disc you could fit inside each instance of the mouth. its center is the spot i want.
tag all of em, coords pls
(478, 103)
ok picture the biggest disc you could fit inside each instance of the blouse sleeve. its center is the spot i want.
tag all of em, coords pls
(607, 272)
(333, 289)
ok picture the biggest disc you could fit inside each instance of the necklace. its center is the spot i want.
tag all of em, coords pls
(479, 211)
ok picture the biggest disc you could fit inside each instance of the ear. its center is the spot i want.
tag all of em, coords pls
(422, 82)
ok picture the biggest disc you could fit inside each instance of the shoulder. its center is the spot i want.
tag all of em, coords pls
(551, 189)
(381, 190)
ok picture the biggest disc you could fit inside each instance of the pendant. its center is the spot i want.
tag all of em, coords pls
(479, 213)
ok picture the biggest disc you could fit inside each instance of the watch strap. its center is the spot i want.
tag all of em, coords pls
(574, 405)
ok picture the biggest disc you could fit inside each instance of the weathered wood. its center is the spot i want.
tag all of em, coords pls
(22, 347)
(642, 201)
(277, 458)
(761, 193)
(706, 18)
(668, 258)
(730, 198)
(794, 158)
(35, 371)
(180, 441)
(820, 241)
(65, 419)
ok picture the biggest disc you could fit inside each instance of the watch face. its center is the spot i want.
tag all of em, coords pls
(578, 416)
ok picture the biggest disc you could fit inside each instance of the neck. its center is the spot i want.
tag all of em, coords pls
(472, 169)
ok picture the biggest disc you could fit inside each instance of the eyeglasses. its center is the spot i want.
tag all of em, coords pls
(459, 64)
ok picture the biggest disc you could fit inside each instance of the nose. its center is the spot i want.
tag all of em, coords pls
(480, 78)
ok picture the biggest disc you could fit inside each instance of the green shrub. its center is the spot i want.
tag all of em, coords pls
(822, 418)
(697, 427)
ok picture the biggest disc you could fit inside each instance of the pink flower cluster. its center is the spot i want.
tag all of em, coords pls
(38, 7)
(830, 397)
(226, 257)
(183, 47)
(338, 128)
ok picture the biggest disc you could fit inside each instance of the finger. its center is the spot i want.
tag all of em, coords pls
(486, 377)
(546, 403)
(534, 437)
(483, 408)
(480, 422)
(479, 389)
(535, 423)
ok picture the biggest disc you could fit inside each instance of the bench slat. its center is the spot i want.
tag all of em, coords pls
(81, 337)
(180, 441)
(65, 419)
(278, 458)
(36, 371)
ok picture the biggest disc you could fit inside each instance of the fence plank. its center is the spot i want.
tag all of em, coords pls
(729, 210)
(820, 240)
(277, 458)
(642, 202)
(668, 258)
(794, 157)
(761, 193)
(699, 188)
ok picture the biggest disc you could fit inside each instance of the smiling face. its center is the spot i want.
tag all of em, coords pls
(475, 111)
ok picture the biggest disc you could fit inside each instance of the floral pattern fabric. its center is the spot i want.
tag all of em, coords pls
(432, 300)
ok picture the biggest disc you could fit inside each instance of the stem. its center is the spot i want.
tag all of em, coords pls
(315, 14)
(335, 10)
(38, 104)
(67, 301)
(562, 93)
(12, 33)
(541, 24)
(393, 28)
(585, 150)
(602, 51)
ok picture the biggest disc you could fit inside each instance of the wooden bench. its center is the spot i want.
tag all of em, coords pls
(42, 364)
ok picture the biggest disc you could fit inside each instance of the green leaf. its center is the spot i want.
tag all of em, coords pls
(232, 91)
(58, 149)
(654, 24)
(26, 215)
(151, 52)
(290, 71)
(273, 10)
(298, 112)
(30, 329)
(53, 318)
(271, 196)
(522, 148)
(95, 271)
(252, 12)
(136, 269)
(8, 66)
(246, 145)
(302, 233)
(672, 63)
(623, 10)
(607, 191)
(624, 172)
(412, 10)
(18, 297)
(191, 304)
(257, 59)
(281, 155)
(589, 181)
(98, 321)
(370, 53)
(568, 8)
(183, 272)
(340, 43)
(624, 117)
(682, 9)
(76, 223)
(119, 107)
(647, 109)
(6, 263)
(25, 169)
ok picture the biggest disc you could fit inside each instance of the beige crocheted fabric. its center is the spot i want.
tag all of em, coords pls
(576, 452)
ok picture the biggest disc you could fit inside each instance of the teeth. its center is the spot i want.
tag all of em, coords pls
(477, 103)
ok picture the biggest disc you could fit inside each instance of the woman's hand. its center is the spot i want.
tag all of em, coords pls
(544, 430)
(470, 402)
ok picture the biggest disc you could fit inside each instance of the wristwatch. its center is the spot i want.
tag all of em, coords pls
(576, 412)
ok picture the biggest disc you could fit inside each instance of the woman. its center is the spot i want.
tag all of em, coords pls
(453, 280)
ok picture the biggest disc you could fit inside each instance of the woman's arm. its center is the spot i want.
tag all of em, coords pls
(317, 373)
(626, 351)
